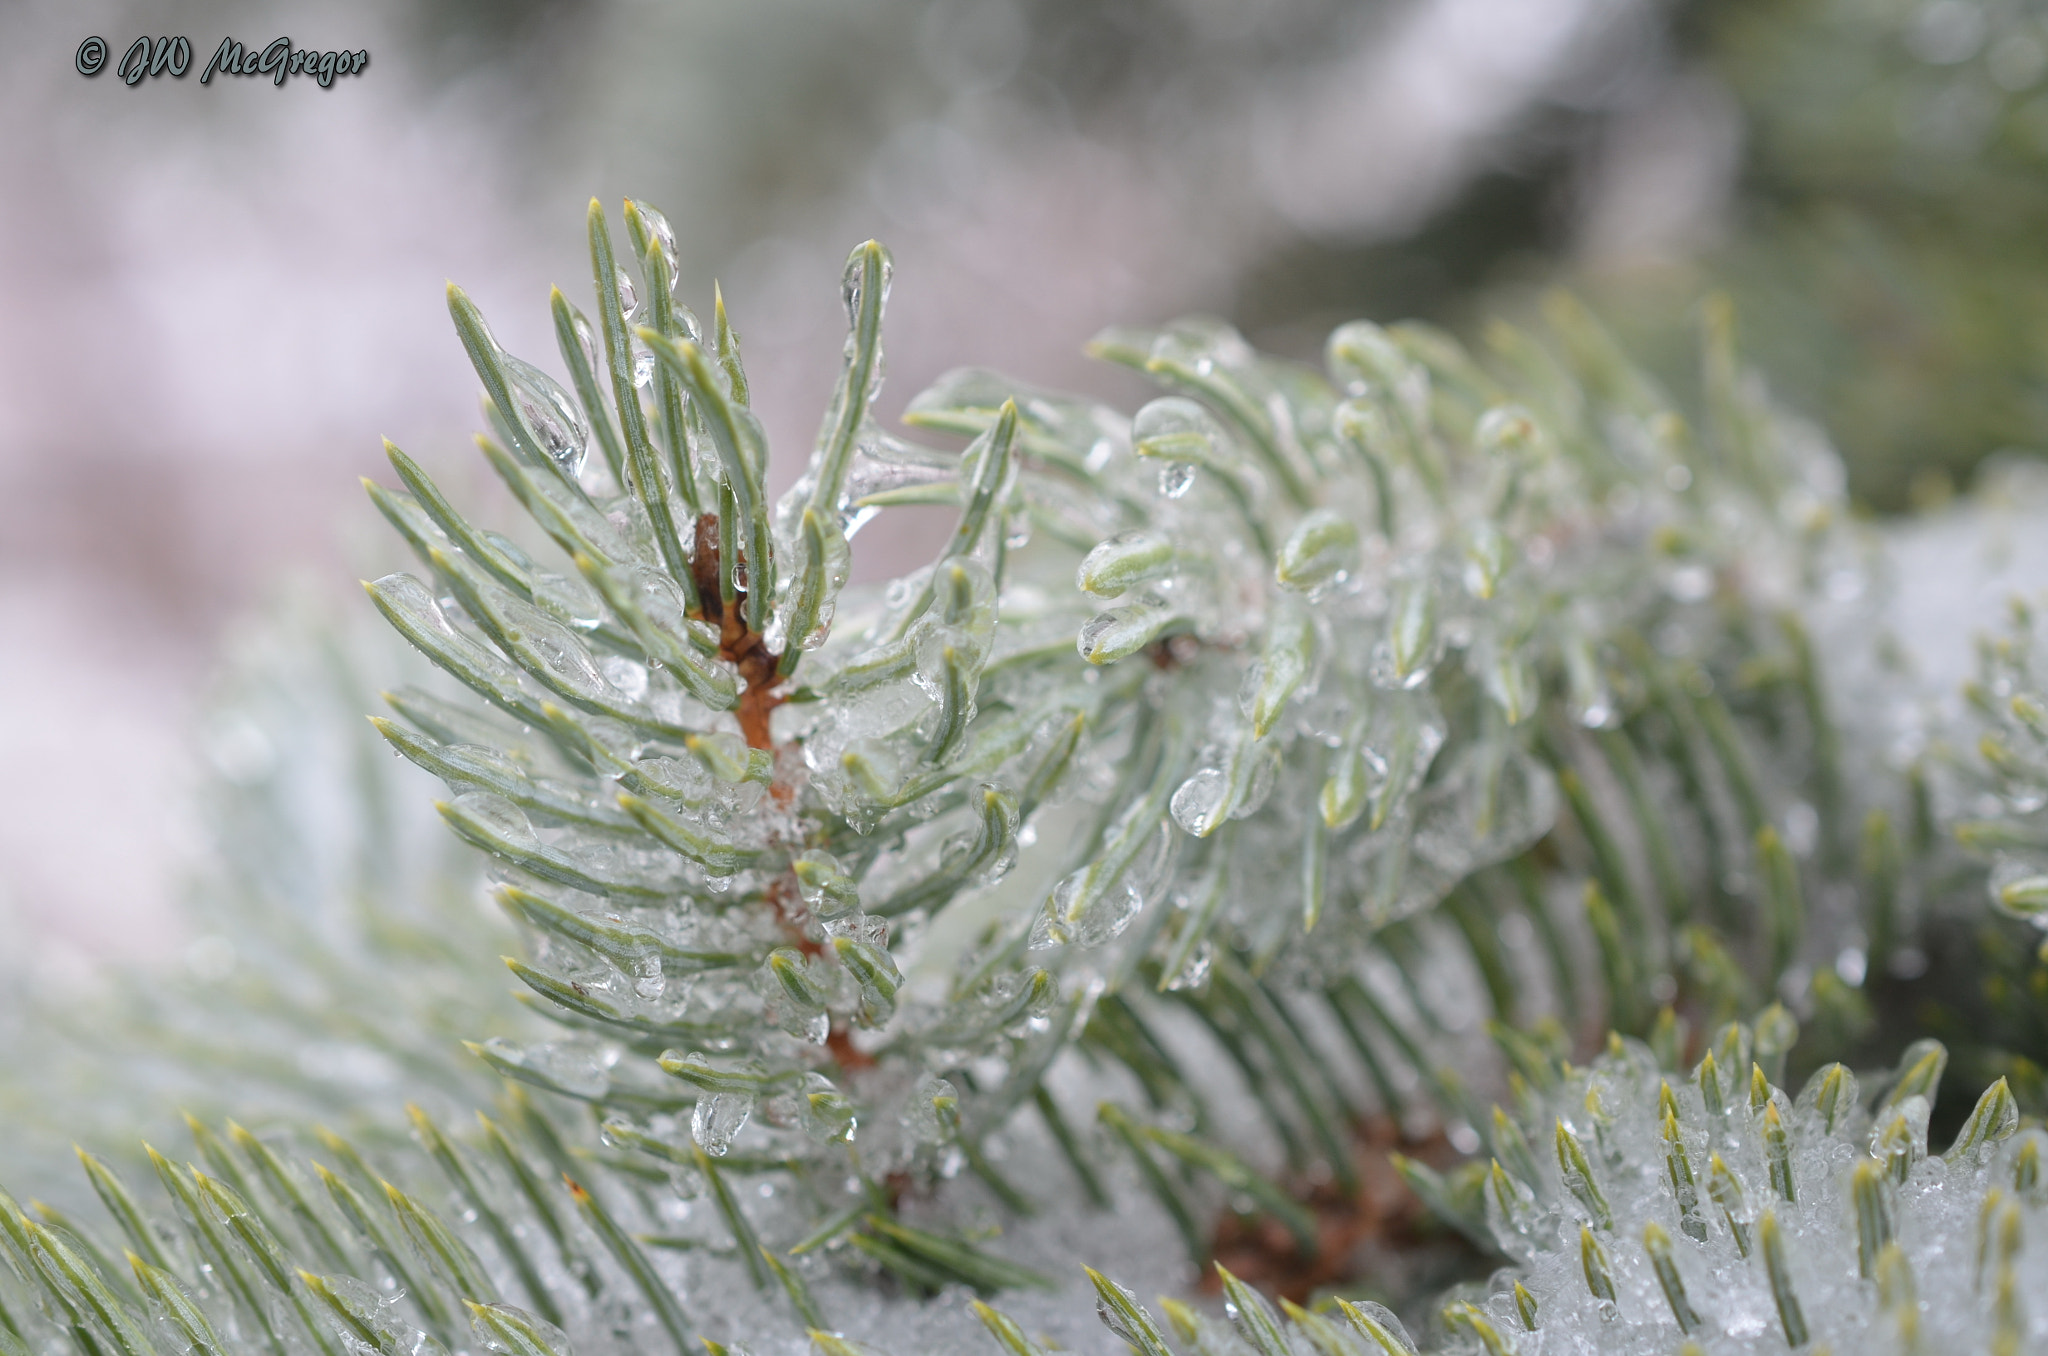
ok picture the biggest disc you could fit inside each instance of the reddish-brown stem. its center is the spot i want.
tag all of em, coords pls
(743, 647)
(748, 651)
(850, 1056)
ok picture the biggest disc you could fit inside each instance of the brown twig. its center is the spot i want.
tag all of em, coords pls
(746, 649)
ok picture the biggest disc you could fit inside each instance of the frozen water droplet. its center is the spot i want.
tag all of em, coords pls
(512, 549)
(499, 814)
(664, 237)
(643, 368)
(881, 463)
(851, 283)
(1049, 929)
(629, 300)
(1196, 804)
(827, 890)
(1176, 478)
(934, 1110)
(550, 1337)
(1095, 630)
(580, 1067)
(549, 413)
(1265, 769)
(1380, 1314)
(1196, 970)
(1154, 865)
(585, 338)
(717, 1118)
(570, 600)
(1114, 1321)
(562, 652)
(1106, 918)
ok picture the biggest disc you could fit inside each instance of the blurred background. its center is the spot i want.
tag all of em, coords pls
(219, 297)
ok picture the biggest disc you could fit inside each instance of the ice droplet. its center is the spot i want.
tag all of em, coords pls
(560, 650)
(1176, 478)
(664, 236)
(1196, 804)
(629, 300)
(717, 1118)
(1265, 769)
(934, 1110)
(826, 889)
(1380, 1314)
(1106, 918)
(824, 1112)
(569, 600)
(1195, 971)
(1114, 1321)
(497, 813)
(551, 1338)
(881, 463)
(851, 282)
(585, 338)
(549, 413)
(643, 368)
(1049, 929)
(1094, 630)
(580, 1067)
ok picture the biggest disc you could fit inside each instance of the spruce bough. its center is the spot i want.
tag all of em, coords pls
(1261, 723)
(1336, 631)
